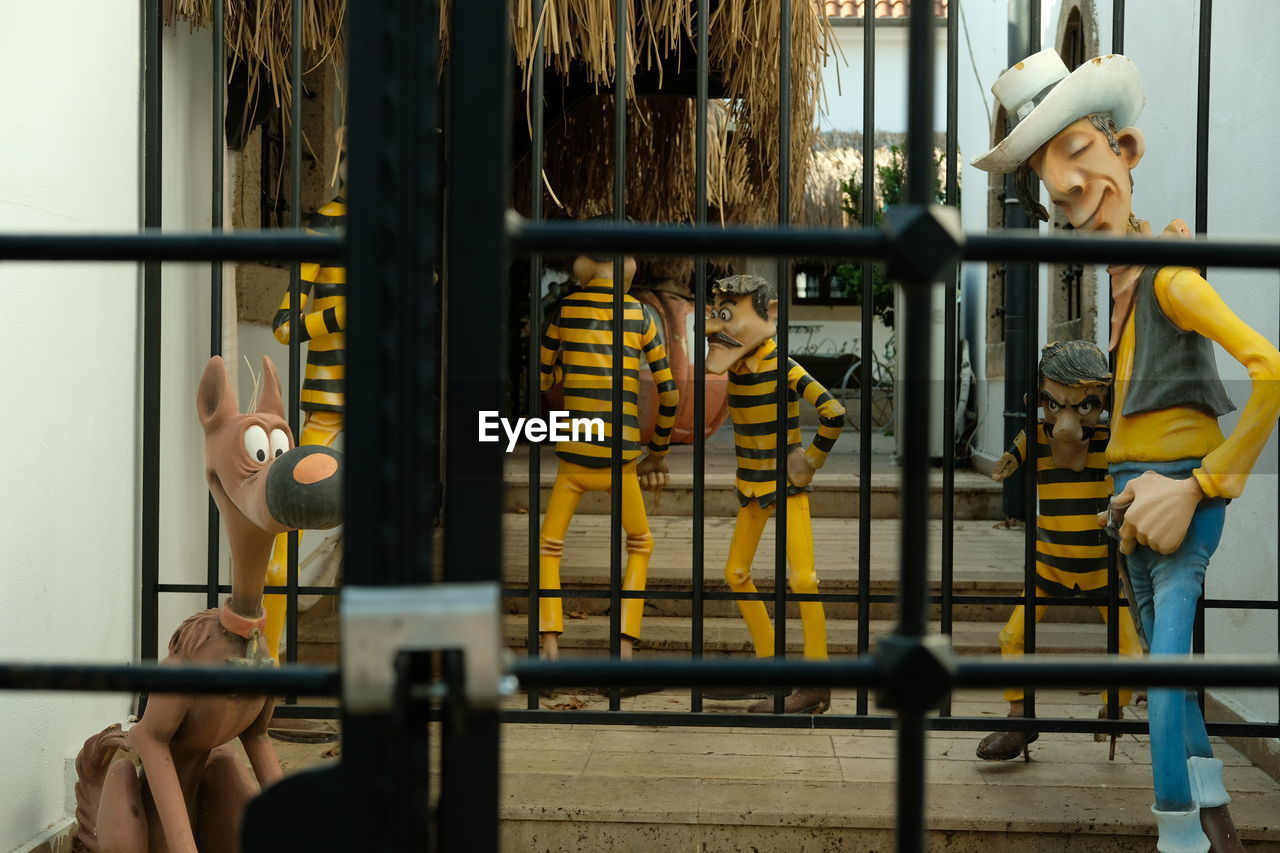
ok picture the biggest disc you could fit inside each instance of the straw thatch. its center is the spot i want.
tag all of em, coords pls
(259, 37)
(743, 35)
(744, 156)
(837, 157)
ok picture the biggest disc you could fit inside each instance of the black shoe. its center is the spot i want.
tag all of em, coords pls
(1004, 746)
(805, 700)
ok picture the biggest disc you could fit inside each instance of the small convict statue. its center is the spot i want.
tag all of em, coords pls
(1073, 486)
(740, 341)
(577, 352)
(322, 319)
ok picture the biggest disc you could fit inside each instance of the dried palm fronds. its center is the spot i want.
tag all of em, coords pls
(259, 37)
(578, 164)
(837, 158)
(743, 38)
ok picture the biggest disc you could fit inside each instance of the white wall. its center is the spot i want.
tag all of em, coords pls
(842, 80)
(69, 379)
(186, 194)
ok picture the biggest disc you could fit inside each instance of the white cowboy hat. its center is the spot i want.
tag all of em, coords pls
(1044, 98)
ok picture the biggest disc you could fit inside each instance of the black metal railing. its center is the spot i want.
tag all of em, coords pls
(395, 367)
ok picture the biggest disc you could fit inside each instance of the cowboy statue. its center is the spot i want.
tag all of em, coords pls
(1174, 470)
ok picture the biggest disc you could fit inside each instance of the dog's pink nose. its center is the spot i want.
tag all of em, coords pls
(314, 468)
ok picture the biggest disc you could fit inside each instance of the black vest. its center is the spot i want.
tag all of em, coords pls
(1171, 368)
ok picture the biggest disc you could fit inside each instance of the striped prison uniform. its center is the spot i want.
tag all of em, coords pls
(322, 310)
(578, 349)
(753, 404)
(1071, 549)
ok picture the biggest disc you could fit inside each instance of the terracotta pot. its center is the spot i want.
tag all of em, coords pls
(675, 321)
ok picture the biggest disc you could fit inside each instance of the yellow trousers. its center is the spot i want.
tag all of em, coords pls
(801, 575)
(320, 428)
(1013, 635)
(572, 482)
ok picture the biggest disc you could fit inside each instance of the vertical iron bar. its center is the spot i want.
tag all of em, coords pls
(478, 158)
(950, 309)
(1113, 556)
(621, 79)
(1202, 116)
(374, 250)
(699, 347)
(149, 610)
(1202, 224)
(536, 107)
(1113, 608)
(410, 719)
(215, 269)
(917, 298)
(1031, 463)
(1117, 26)
(915, 449)
(784, 297)
(1031, 473)
(295, 279)
(865, 378)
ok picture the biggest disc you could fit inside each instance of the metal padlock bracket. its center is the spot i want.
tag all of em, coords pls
(379, 623)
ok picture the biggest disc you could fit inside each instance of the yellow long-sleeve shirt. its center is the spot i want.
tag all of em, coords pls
(1165, 435)
(322, 312)
(753, 405)
(578, 350)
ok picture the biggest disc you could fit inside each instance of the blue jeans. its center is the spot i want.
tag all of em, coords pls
(1167, 587)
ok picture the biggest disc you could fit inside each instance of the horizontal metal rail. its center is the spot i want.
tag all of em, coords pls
(650, 240)
(871, 243)
(837, 597)
(279, 589)
(155, 678)
(153, 245)
(868, 722)
(976, 672)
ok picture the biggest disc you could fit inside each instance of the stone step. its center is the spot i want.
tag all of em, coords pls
(987, 561)
(672, 636)
(592, 787)
(836, 488)
(570, 785)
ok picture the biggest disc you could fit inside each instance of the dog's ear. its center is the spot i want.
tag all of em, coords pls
(269, 401)
(215, 400)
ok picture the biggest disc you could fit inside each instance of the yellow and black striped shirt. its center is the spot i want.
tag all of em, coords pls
(1071, 549)
(578, 348)
(753, 405)
(323, 290)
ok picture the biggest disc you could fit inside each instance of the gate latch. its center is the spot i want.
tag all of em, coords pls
(378, 623)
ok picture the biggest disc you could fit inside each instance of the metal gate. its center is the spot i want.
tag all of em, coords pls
(416, 650)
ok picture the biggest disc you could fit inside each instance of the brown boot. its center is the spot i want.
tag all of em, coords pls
(805, 700)
(1004, 746)
(1220, 829)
